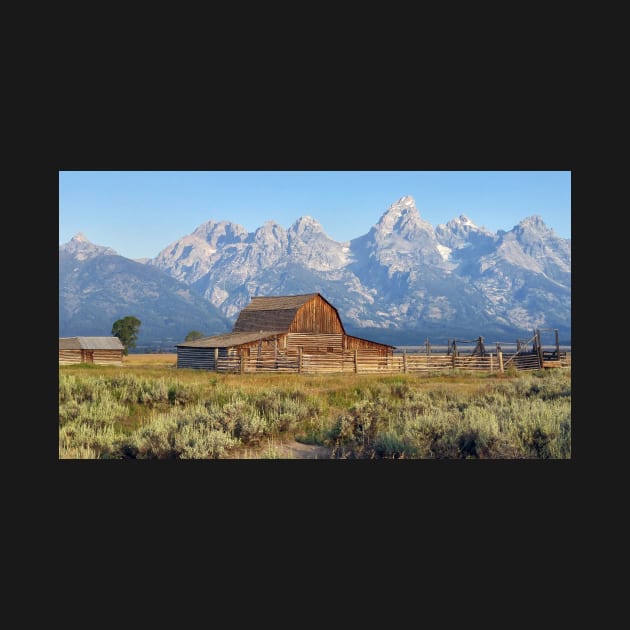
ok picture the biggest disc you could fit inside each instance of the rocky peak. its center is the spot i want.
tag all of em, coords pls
(82, 249)
(404, 207)
(541, 243)
(531, 230)
(270, 233)
(403, 219)
(402, 238)
(311, 246)
(462, 222)
(533, 223)
(462, 232)
(217, 233)
(307, 229)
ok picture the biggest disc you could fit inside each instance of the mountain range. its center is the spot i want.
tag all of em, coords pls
(97, 287)
(400, 283)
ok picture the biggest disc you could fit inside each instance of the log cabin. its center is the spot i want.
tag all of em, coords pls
(281, 327)
(100, 350)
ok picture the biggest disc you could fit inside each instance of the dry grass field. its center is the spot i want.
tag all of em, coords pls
(149, 409)
(150, 359)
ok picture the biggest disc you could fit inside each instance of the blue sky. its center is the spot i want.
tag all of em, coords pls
(139, 213)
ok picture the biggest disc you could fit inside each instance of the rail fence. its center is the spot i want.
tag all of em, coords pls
(365, 361)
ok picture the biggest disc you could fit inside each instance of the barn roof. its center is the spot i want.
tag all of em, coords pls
(229, 340)
(90, 343)
(273, 313)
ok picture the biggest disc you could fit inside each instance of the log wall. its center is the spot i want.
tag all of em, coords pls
(106, 357)
(204, 358)
(100, 357)
(67, 357)
(350, 343)
(196, 358)
(323, 342)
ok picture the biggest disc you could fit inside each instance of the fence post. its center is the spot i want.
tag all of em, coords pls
(540, 350)
(491, 366)
(454, 352)
(241, 357)
(216, 357)
(356, 366)
(300, 359)
(405, 361)
(500, 357)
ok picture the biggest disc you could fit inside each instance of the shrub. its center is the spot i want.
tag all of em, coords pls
(201, 442)
(83, 438)
(178, 435)
(389, 444)
(109, 413)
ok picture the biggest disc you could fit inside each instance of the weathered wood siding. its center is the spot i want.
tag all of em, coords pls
(67, 357)
(356, 343)
(100, 357)
(316, 316)
(323, 342)
(196, 358)
(204, 358)
(106, 357)
(265, 345)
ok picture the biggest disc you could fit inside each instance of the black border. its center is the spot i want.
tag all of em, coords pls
(374, 134)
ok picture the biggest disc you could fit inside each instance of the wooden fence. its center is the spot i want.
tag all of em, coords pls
(365, 361)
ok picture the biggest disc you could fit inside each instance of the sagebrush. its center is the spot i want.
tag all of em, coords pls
(157, 413)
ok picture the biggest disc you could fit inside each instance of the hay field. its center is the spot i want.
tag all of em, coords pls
(150, 359)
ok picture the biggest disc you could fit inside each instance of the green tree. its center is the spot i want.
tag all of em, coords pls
(194, 334)
(126, 329)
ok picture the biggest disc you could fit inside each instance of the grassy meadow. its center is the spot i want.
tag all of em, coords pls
(148, 409)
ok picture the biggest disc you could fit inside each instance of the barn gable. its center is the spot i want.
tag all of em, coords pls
(309, 313)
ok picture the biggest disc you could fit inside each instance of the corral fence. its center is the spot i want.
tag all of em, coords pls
(365, 361)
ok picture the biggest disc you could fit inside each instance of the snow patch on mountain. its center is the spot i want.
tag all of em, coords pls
(445, 252)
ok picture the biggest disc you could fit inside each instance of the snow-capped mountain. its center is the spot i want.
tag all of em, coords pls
(403, 279)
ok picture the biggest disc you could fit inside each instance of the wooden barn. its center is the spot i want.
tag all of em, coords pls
(279, 328)
(101, 350)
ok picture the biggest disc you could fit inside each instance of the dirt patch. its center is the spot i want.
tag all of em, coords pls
(296, 450)
(274, 448)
